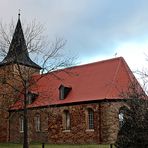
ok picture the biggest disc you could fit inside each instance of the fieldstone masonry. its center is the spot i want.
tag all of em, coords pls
(106, 124)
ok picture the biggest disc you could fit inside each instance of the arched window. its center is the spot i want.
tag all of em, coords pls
(90, 119)
(66, 120)
(122, 116)
(37, 123)
(21, 123)
(121, 119)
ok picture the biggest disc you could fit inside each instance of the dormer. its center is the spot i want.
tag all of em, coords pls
(63, 91)
(31, 97)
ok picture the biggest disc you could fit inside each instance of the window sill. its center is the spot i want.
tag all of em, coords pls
(21, 131)
(90, 130)
(66, 131)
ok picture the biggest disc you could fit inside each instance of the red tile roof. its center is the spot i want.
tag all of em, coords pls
(96, 81)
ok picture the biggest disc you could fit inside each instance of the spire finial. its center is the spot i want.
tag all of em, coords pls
(19, 11)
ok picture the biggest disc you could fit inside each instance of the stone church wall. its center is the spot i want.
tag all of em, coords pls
(16, 135)
(106, 124)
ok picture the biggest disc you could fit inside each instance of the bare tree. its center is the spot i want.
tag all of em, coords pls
(134, 128)
(17, 68)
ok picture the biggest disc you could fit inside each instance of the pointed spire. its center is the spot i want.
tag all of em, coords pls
(18, 52)
(19, 14)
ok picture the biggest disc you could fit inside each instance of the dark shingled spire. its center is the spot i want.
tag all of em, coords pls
(18, 52)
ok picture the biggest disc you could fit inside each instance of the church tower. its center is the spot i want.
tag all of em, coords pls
(18, 53)
(15, 68)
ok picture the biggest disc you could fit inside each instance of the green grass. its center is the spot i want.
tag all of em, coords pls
(10, 145)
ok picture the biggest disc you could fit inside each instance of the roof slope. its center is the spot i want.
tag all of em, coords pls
(96, 81)
(18, 52)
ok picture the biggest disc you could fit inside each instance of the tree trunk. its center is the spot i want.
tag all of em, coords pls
(25, 143)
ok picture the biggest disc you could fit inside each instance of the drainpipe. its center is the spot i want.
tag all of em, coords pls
(100, 129)
(8, 127)
(25, 113)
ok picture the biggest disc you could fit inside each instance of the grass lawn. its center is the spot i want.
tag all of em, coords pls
(9, 145)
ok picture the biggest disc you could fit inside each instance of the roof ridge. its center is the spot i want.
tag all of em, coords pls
(83, 65)
(101, 61)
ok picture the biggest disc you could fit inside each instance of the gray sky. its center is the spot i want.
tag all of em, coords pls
(94, 29)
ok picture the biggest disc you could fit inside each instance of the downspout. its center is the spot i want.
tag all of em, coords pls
(100, 129)
(8, 127)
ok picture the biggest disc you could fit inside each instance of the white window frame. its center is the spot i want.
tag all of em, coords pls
(67, 120)
(37, 120)
(121, 119)
(90, 119)
(62, 93)
(21, 122)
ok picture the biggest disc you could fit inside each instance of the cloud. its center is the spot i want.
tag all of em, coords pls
(135, 54)
(93, 28)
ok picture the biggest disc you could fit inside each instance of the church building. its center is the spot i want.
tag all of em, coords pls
(76, 105)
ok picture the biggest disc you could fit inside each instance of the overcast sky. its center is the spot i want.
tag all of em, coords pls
(94, 29)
